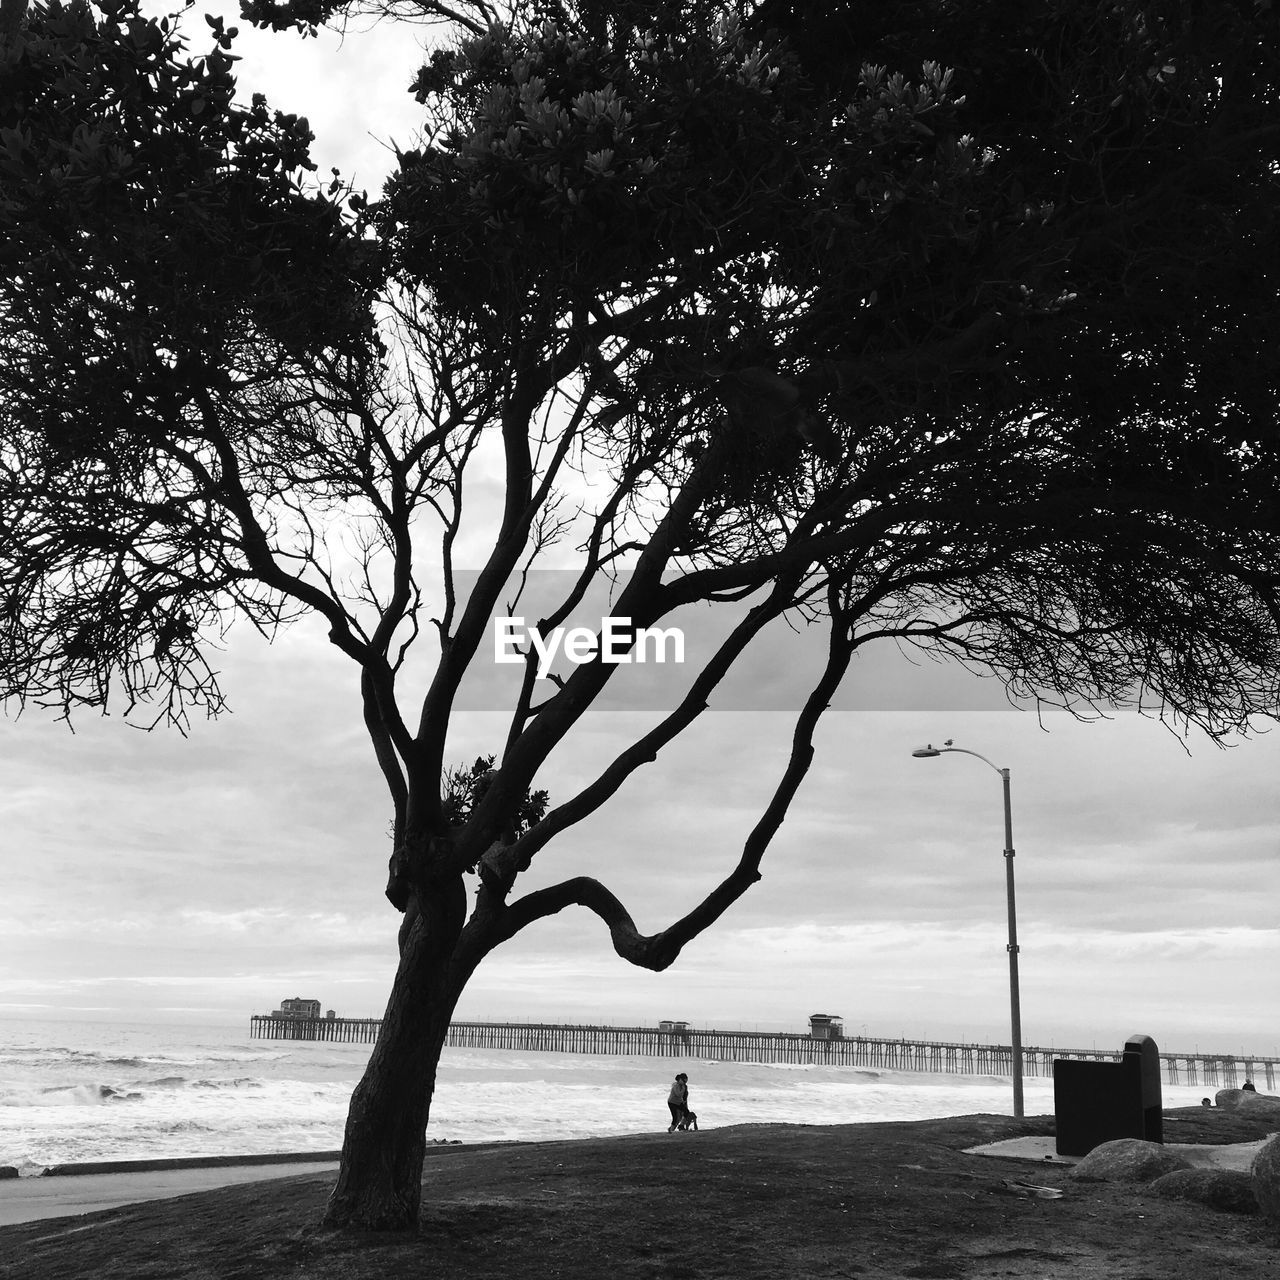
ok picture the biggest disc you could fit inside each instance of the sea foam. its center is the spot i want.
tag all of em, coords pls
(129, 1093)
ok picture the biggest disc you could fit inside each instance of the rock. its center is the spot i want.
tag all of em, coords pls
(1128, 1160)
(1248, 1102)
(1258, 1104)
(1265, 1173)
(8, 1171)
(1230, 1190)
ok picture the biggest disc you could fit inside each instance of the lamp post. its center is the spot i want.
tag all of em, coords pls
(1015, 1010)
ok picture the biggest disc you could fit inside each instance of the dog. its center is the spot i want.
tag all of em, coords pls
(690, 1121)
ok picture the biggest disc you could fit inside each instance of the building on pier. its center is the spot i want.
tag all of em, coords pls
(297, 1007)
(826, 1026)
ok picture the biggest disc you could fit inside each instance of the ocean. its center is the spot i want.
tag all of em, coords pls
(112, 1091)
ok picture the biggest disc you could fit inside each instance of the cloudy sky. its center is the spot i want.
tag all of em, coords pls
(156, 877)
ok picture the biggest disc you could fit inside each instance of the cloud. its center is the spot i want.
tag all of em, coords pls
(248, 862)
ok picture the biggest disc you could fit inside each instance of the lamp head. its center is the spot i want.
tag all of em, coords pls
(923, 753)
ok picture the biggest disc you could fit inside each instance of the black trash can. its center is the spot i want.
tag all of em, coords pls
(1096, 1102)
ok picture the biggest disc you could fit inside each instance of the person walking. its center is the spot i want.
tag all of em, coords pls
(677, 1100)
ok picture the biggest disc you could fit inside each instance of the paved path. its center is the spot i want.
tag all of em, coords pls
(27, 1199)
(1236, 1155)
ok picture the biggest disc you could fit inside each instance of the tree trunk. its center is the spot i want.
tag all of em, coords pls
(379, 1184)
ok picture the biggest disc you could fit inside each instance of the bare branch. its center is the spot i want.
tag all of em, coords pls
(658, 951)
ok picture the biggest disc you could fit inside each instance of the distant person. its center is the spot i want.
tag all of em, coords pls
(677, 1100)
(1247, 1087)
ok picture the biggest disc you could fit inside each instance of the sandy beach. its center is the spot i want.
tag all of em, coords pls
(885, 1201)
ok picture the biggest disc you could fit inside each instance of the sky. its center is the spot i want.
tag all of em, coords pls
(154, 877)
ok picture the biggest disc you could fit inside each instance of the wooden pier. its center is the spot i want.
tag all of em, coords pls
(265, 1026)
(1217, 1071)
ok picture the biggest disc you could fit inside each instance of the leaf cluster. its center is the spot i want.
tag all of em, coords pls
(464, 788)
(160, 260)
(1129, 189)
(139, 190)
(564, 170)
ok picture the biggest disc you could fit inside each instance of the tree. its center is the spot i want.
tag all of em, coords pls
(818, 328)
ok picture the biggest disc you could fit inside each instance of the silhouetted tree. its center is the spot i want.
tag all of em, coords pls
(948, 323)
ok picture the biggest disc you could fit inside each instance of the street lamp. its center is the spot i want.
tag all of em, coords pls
(925, 753)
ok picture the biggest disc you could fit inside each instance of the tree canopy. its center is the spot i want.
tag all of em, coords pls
(162, 263)
(947, 323)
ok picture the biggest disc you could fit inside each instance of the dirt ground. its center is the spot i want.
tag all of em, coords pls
(773, 1202)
